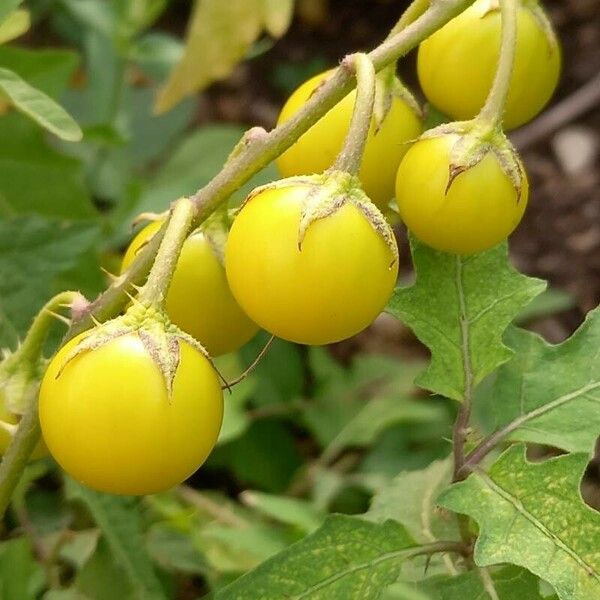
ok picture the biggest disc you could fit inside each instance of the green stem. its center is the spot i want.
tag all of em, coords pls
(178, 227)
(351, 155)
(28, 433)
(18, 453)
(31, 347)
(493, 109)
(415, 9)
(254, 156)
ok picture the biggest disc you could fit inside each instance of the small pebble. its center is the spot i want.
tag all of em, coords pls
(576, 149)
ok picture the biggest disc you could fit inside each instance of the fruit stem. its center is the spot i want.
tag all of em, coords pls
(18, 453)
(28, 432)
(492, 112)
(31, 346)
(254, 156)
(178, 228)
(351, 155)
(414, 10)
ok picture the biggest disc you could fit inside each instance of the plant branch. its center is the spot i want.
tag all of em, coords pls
(440, 547)
(31, 347)
(252, 158)
(461, 425)
(351, 155)
(256, 155)
(108, 304)
(18, 453)
(415, 9)
(178, 226)
(486, 446)
(493, 109)
(28, 432)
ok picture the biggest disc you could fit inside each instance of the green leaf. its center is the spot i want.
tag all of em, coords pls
(550, 394)
(509, 583)
(403, 591)
(346, 559)
(119, 520)
(219, 35)
(16, 24)
(459, 308)
(46, 70)
(80, 546)
(411, 498)
(280, 373)
(268, 444)
(33, 250)
(94, 14)
(7, 7)
(35, 178)
(38, 106)
(375, 416)
(291, 511)
(174, 550)
(157, 53)
(239, 549)
(353, 406)
(532, 515)
(103, 578)
(66, 594)
(20, 576)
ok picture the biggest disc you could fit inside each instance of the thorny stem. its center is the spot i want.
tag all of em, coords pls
(28, 433)
(351, 155)
(486, 446)
(156, 287)
(459, 437)
(31, 347)
(18, 453)
(461, 425)
(411, 14)
(493, 109)
(237, 171)
(255, 156)
(440, 547)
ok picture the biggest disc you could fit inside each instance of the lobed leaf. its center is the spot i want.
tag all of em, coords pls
(347, 558)
(411, 498)
(550, 394)
(532, 515)
(459, 308)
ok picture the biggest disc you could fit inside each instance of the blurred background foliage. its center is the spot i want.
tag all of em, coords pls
(311, 431)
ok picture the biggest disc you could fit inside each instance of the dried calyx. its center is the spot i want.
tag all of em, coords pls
(159, 336)
(388, 87)
(325, 194)
(473, 142)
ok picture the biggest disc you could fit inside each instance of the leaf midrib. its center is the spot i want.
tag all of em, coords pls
(520, 508)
